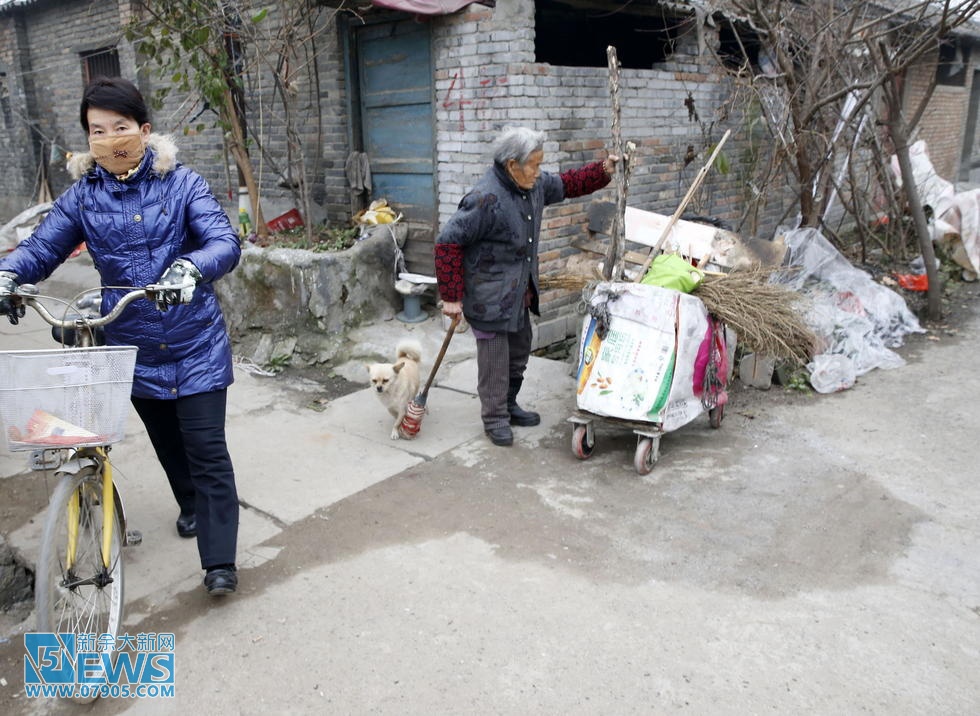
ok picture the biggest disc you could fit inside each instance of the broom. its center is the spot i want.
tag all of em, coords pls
(412, 422)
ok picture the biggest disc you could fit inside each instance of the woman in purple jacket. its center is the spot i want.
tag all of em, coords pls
(147, 219)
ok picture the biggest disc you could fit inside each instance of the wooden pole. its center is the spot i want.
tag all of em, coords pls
(612, 268)
(683, 205)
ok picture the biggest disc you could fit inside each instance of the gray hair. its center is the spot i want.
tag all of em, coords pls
(517, 143)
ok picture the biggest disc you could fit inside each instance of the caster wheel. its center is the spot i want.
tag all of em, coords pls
(581, 446)
(647, 452)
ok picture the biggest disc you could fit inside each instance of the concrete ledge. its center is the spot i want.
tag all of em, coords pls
(316, 298)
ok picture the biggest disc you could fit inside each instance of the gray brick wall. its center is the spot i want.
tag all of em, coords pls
(486, 77)
(55, 69)
(18, 150)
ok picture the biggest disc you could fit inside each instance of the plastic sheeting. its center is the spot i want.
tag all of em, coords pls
(857, 319)
(957, 214)
(430, 7)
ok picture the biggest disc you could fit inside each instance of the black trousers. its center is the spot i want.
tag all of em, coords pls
(188, 435)
(501, 360)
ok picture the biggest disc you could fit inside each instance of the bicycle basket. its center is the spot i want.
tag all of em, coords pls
(65, 397)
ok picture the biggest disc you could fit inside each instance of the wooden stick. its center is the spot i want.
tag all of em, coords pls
(613, 266)
(683, 205)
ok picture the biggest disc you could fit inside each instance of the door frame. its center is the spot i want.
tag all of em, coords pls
(355, 136)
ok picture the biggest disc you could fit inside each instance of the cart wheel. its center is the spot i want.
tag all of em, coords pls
(647, 452)
(581, 446)
(716, 415)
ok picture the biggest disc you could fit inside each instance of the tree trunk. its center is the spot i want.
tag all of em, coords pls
(901, 142)
(236, 144)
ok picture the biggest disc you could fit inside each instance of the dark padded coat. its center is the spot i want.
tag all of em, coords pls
(487, 253)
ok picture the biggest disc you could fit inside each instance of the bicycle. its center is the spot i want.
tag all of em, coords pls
(68, 407)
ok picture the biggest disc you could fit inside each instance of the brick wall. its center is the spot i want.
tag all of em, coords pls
(315, 114)
(944, 120)
(17, 149)
(486, 77)
(55, 68)
(45, 57)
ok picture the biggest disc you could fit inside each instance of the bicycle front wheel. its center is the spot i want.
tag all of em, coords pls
(74, 591)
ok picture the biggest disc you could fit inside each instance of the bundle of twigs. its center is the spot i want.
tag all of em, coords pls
(765, 315)
(566, 282)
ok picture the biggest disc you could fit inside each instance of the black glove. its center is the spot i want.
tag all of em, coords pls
(178, 284)
(8, 285)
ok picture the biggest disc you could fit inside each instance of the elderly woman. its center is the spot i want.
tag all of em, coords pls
(487, 265)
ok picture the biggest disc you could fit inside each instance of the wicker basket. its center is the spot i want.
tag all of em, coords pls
(65, 397)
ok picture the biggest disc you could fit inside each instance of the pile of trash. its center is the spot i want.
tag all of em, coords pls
(21, 226)
(857, 320)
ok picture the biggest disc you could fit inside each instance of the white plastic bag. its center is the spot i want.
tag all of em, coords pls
(831, 372)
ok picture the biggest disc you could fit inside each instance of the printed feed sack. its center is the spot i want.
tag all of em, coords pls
(627, 374)
(644, 369)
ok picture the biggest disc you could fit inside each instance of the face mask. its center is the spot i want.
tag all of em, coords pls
(117, 155)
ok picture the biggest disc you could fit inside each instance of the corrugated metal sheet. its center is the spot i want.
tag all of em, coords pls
(7, 4)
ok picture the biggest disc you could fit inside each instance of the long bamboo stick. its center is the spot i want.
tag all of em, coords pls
(683, 205)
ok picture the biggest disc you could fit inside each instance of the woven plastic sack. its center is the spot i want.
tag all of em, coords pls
(673, 271)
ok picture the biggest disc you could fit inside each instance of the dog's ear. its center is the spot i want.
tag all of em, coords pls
(397, 367)
(367, 367)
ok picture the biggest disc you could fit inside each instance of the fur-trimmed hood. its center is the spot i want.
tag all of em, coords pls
(164, 157)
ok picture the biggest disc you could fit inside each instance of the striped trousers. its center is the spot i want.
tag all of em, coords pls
(500, 360)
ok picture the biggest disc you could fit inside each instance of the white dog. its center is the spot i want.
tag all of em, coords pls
(397, 383)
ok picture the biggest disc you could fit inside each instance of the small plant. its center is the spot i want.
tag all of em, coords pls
(277, 364)
(325, 238)
(799, 381)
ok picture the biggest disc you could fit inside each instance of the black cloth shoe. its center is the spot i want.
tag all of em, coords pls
(501, 436)
(519, 416)
(187, 526)
(221, 580)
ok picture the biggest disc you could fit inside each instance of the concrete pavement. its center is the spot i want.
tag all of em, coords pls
(815, 555)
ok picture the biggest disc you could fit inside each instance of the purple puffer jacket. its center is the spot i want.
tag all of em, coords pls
(134, 230)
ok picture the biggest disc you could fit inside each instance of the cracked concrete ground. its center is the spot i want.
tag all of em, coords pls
(814, 555)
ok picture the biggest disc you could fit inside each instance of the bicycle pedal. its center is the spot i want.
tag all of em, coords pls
(134, 538)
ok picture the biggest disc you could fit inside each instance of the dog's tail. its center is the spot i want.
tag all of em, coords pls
(410, 349)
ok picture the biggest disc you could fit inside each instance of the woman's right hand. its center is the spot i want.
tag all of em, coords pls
(452, 308)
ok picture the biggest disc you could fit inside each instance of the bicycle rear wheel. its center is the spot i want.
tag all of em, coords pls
(80, 595)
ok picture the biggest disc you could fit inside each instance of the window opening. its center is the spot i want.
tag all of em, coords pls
(576, 33)
(738, 44)
(954, 58)
(103, 62)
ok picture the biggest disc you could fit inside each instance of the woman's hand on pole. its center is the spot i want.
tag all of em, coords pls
(609, 164)
(452, 308)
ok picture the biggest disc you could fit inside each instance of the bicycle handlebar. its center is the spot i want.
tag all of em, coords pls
(28, 295)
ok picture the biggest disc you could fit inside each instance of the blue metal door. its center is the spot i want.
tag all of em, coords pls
(394, 86)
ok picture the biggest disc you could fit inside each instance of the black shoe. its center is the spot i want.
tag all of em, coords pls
(221, 580)
(519, 416)
(524, 418)
(501, 436)
(187, 526)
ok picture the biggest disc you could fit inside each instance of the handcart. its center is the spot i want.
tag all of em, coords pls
(651, 359)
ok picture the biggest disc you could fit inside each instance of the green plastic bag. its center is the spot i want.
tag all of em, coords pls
(673, 271)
